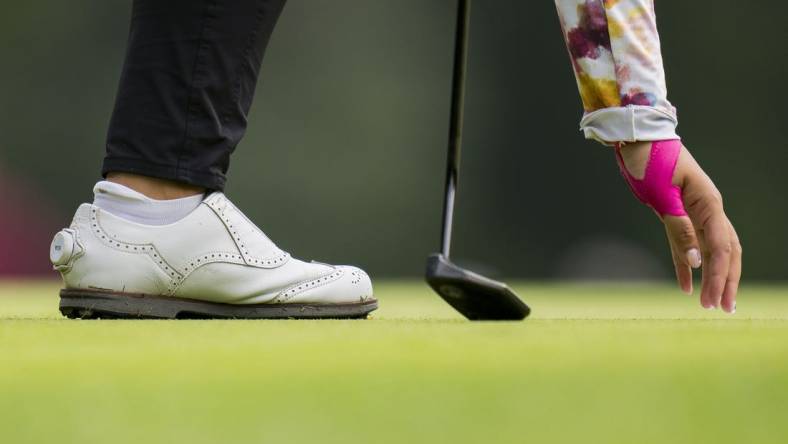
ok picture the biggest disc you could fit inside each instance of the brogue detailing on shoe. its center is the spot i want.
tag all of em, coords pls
(205, 259)
(148, 249)
(219, 204)
(356, 277)
(295, 289)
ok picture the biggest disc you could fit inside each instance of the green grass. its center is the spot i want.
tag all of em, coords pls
(595, 363)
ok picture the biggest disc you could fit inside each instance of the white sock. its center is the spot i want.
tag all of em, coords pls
(128, 204)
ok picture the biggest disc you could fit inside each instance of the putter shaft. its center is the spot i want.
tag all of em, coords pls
(455, 122)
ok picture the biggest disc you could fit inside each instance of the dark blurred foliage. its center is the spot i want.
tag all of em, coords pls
(344, 156)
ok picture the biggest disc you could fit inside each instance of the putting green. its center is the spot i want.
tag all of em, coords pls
(595, 363)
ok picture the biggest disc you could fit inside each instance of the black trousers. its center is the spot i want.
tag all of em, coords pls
(187, 84)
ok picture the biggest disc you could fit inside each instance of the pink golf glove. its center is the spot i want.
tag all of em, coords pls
(656, 189)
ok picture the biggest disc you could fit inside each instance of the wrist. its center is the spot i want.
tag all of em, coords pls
(635, 156)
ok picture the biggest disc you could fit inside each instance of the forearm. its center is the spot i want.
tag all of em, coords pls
(615, 52)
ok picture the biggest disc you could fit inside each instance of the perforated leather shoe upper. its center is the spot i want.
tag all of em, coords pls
(215, 253)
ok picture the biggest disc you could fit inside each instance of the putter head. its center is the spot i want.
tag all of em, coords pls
(476, 297)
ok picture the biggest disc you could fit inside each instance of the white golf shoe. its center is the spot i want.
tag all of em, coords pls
(212, 263)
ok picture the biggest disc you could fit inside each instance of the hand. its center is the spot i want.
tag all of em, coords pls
(704, 237)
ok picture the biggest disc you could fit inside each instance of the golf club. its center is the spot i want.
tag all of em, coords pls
(475, 296)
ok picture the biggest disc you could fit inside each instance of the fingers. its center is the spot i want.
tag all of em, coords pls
(719, 244)
(683, 275)
(734, 273)
(706, 237)
(685, 282)
(685, 248)
(717, 250)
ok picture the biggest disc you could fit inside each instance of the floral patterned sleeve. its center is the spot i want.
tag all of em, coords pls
(615, 53)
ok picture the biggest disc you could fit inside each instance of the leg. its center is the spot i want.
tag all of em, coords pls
(150, 244)
(615, 52)
(186, 88)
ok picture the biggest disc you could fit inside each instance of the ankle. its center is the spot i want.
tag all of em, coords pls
(153, 187)
(131, 205)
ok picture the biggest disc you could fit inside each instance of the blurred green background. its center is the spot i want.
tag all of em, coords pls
(344, 156)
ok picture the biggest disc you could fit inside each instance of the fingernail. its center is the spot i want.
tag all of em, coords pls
(693, 258)
(734, 308)
(708, 307)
